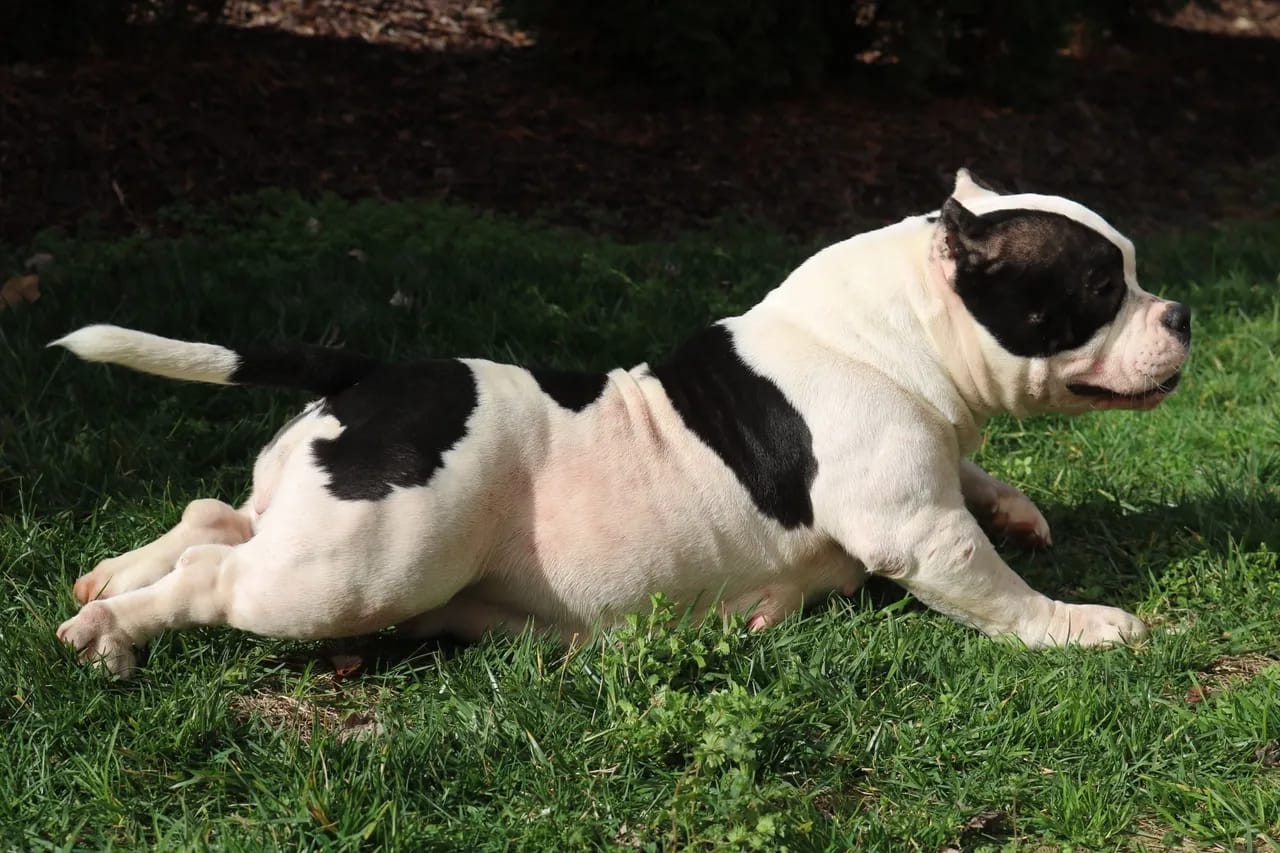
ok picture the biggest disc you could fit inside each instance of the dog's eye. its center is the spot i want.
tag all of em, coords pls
(1035, 318)
(1098, 281)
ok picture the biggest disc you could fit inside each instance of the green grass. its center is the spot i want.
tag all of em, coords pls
(884, 727)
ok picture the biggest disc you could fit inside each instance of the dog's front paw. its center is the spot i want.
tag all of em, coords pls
(96, 636)
(1085, 625)
(1014, 515)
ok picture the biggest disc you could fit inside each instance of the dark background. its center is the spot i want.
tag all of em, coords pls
(1171, 123)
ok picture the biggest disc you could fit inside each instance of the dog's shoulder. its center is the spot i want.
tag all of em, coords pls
(746, 419)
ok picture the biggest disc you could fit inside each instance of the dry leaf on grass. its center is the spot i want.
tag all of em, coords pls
(985, 824)
(345, 665)
(360, 724)
(38, 263)
(20, 288)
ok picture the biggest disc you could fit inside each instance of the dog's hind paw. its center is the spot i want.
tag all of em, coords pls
(97, 639)
(93, 584)
(118, 575)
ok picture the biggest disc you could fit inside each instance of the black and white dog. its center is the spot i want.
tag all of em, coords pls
(773, 459)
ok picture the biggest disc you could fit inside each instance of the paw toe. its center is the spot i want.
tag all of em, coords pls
(92, 585)
(98, 640)
(1019, 519)
(88, 587)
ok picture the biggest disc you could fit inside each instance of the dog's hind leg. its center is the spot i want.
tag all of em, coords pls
(209, 585)
(270, 585)
(205, 522)
(194, 593)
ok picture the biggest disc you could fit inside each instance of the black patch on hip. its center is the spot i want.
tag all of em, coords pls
(1039, 282)
(570, 389)
(398, 422)
(747, 421)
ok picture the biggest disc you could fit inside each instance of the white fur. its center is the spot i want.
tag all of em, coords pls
(152, 354)
(568, 519)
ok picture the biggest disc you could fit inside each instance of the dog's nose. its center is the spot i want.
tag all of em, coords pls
(1177, 319)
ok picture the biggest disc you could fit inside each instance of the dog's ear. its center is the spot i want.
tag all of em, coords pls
(968, 235)
(969, 187)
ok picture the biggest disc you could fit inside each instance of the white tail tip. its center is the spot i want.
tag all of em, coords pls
(152, 354)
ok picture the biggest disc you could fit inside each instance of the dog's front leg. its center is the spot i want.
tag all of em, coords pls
(1003, 508)
(942, 556)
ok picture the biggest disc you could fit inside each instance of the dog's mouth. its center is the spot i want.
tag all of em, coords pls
(1105, 398)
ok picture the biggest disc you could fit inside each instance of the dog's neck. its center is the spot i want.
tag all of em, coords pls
(988, 383)
(949, 371)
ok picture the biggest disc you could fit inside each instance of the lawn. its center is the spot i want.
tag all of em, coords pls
(868, 722)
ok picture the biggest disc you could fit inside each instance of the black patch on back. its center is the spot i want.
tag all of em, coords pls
(572, 390)
(1039, 282)
(398, 423)
(747, 421)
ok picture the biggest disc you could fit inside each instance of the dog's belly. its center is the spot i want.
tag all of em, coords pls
(621, 502)
(603, 575)
(574, 589)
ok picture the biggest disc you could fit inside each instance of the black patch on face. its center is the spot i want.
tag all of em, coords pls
(398, 423)
(747, 421)
(570, 389)
(1039, 282)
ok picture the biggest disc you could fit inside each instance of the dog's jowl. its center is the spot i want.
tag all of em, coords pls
(777, 457)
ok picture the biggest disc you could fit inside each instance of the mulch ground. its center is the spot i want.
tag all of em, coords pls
(440, 98)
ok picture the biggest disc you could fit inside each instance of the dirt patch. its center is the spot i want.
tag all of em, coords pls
(407, 24)
(304, 717)
(330, 710)
(1232, 18)
(1227, 672)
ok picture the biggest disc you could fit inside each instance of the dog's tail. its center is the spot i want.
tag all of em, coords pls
(318, 369)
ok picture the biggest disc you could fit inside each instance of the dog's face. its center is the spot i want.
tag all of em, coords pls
(1055, 288)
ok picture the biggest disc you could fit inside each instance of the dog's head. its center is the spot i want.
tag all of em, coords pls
(1054, 290)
